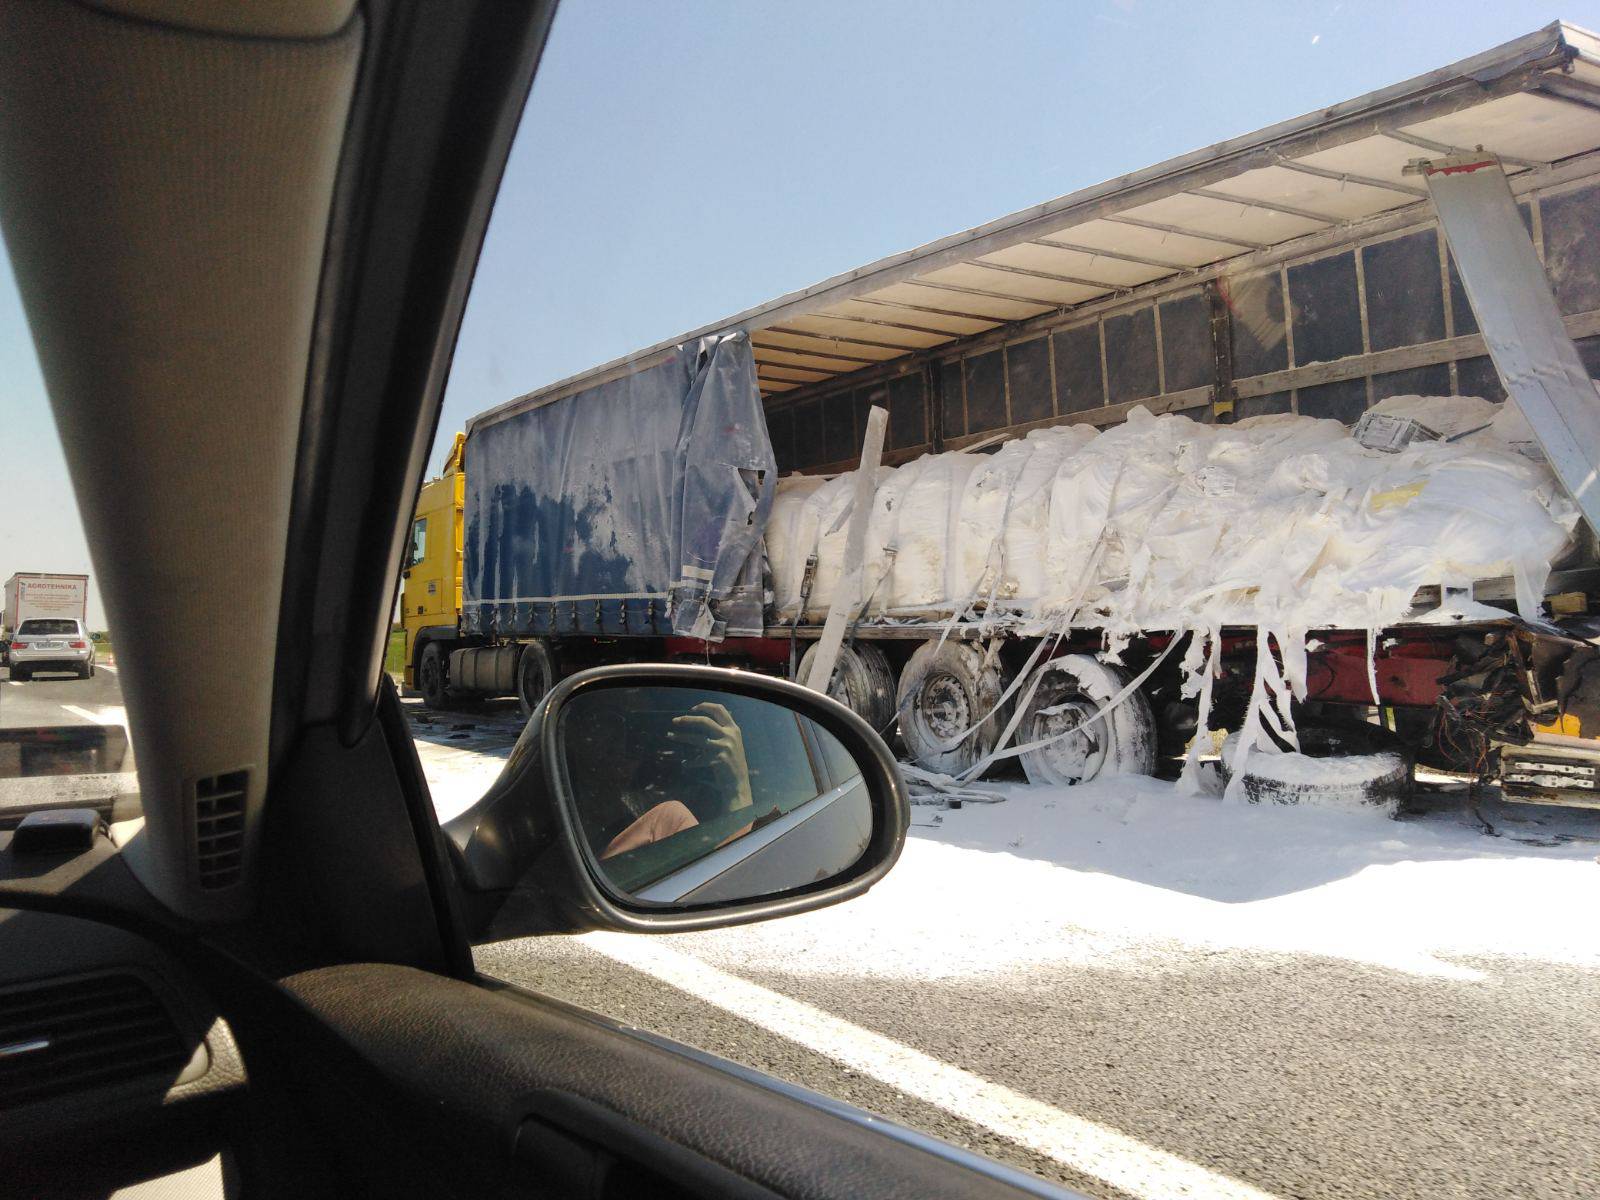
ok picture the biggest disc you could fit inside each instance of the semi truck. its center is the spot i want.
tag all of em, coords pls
(1429, 239)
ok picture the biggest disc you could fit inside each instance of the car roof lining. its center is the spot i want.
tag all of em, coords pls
(277, 19)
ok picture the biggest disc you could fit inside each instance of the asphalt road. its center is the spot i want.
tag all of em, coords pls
(90, 768)
(58, 699)
(1278, 1074)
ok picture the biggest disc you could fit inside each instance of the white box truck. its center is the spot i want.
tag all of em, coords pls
(37, 594)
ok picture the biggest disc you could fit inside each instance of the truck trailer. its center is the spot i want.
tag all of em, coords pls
(37, 594)
(1432, 239)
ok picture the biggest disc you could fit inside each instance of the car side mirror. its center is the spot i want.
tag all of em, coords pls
(663, 798)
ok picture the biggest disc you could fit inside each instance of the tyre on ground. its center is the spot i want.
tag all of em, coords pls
(1339, 766)
(20, 674)
(536, 675)
(944, 690)
(1078, 746)
(862, 681)
(432, 677)
(86, 671)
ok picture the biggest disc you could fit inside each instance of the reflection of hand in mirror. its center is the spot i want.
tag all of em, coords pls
(709, 731)
(683, 792)
(712, 742)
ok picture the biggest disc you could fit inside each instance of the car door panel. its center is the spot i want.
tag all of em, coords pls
(546, 1099)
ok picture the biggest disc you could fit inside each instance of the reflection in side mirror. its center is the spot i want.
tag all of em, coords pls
(667, 797)
(690, 796)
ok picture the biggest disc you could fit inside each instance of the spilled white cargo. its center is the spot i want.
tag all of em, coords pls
(1165, 523)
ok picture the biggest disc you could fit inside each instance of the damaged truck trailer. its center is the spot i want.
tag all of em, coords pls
(1285, 445)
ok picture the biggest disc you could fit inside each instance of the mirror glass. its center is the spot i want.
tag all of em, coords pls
(691, 796)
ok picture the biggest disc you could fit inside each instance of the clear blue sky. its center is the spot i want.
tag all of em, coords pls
(682, 161)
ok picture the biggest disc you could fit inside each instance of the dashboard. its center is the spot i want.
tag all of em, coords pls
(117, 1073)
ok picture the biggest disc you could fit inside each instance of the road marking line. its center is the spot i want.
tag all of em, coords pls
(102, 666)
(1085, 1146)
(114, 715)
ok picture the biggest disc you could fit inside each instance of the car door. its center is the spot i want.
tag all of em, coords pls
(262, 247)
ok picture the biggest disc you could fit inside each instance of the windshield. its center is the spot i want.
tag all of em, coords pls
(1092, 398)
(1237, 647)
(63, 726)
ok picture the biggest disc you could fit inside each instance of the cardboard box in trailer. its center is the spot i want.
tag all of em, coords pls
(1120, 501)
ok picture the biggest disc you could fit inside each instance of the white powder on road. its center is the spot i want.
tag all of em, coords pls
(1145, 877)
(1134, 865)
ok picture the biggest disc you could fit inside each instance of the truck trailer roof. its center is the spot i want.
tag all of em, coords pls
(1281, 192)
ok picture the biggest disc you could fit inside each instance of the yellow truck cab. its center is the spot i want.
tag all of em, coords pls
(431, 595)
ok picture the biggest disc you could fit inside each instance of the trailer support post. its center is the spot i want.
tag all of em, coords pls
(852, 585)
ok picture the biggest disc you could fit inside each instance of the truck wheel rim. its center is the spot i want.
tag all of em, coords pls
(1080, 754)
(944, 706)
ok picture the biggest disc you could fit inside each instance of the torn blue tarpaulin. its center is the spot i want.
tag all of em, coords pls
(635, 506)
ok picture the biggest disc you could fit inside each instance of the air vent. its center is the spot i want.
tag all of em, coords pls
(219, 829)
(58, 1038)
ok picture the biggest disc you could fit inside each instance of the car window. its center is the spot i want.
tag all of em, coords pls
(1233, 632)
(838, 764)
(63, 723)
(42, 628)
(419, 541)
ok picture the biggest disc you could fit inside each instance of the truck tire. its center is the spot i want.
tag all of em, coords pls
(943, 690)
(432, 677)
(536, 675)
(1339, 766)
(862, 681)
(1072, 689)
